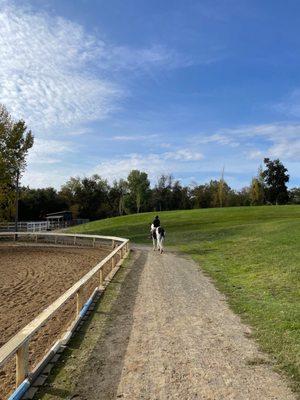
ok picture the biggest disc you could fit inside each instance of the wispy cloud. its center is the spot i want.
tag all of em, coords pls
(129, 58)
(290, 105)
(43, 66)
(154, 164)
(48, 151)
(287, 150)
(273, 140)
(53, 73)
(218, 138)
(255, 154)
(131, 138)
(183, 155)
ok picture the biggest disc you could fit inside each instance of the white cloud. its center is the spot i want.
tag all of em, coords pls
(290, 105)
(183, 155)
(286, 150)
(155, 164)
(120, 167)
(54, 74)
(255, 154)
(42, 71)
(129, 138)
(122, 57)
(273, 140)
(44, 177)
(218, 138)
(48, 151)
(274, 131)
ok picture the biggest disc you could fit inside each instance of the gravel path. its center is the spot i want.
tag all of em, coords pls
(172, 336)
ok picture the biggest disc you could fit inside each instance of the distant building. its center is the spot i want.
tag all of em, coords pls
(60, 216)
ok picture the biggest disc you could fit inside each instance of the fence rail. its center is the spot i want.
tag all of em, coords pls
(39, 226)
(19, 344)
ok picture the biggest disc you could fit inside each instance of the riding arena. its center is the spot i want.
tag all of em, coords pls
(49, 281)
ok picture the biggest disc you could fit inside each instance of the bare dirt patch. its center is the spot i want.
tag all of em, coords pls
(31, 278)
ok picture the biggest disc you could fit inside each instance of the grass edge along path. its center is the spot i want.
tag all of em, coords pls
(253, 256)
(66, 373)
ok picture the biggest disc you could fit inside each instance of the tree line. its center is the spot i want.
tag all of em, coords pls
(94, 198)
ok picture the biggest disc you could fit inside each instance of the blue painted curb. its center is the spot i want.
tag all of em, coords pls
(86, 307)
(20, 391)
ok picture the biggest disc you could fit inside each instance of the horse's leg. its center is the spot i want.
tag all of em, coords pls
(161, 245)
(153, 241)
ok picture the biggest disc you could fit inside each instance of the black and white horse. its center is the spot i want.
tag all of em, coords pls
(158, 237)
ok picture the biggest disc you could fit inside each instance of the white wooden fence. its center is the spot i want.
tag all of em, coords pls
(18, 345)
(40, 226)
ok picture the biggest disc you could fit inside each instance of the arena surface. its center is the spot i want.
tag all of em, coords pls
(31, 278)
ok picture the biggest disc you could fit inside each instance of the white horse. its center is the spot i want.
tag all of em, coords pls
(158, 237)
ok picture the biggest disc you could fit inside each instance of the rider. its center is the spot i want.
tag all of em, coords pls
(156, 222)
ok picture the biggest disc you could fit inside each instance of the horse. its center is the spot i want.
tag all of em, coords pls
(158, 236)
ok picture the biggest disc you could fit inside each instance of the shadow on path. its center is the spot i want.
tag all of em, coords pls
(101, 372)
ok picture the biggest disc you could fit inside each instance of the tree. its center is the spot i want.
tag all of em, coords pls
(294, 195)
(117, 196)
(241, 197)
(139, 188)
(162, 193)
(201, 196)
(221, 185)
(15, 142)
(275, 178)
(89, 197)
(180, 197)
(257, 193)
(36, 203)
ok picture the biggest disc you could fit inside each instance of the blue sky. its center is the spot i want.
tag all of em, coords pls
(163, 86)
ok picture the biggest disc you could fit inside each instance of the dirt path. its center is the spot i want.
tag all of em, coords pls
(171, 335)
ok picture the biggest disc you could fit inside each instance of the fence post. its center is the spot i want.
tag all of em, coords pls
(101, 278)
(113, 262)
(113, 244)
(79, 300)
(74, 242)
(22, 364)
(36, 238)
(94, 241)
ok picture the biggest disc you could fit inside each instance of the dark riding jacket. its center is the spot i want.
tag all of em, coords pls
(156, 222)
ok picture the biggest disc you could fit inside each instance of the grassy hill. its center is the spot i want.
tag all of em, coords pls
(252, 254)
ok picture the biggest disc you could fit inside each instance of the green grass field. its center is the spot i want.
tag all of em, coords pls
(252, 254)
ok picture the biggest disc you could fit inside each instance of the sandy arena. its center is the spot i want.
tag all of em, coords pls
(32, 277)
